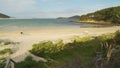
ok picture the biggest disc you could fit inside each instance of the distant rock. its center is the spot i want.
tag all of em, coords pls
(61, 17)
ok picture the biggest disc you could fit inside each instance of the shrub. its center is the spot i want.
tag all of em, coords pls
(117, 37)
(44, 49)
(41, 48)
(30, 63)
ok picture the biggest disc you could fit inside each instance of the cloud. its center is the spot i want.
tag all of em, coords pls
(63, 13)
(17, 6)
(54, 0)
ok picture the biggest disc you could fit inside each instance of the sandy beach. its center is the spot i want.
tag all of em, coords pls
(30, 37)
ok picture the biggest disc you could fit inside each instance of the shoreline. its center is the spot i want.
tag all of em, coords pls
(102, 23)
(60, 28)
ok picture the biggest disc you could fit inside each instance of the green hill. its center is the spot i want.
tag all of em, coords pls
(61, 18)
(111, 15)
(4, 16)
(74, 17)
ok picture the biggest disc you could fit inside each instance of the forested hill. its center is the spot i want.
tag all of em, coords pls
(4, 16)
(111, 15)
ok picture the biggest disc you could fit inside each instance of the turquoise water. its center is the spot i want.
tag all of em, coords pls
(27, 24)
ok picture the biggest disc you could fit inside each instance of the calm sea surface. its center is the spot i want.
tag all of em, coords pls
(28, 24)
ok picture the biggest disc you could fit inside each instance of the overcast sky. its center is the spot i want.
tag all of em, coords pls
(52, 8)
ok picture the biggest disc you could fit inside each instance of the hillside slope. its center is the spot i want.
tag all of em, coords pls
(74, 17)
(111, 15)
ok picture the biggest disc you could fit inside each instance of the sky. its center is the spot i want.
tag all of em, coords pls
(52, 8)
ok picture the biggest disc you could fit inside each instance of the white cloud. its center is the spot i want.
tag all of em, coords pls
(17, 6)
(62, 13)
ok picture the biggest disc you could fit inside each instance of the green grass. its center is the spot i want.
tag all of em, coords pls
(6, 51)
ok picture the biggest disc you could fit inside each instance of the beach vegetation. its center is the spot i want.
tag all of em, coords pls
(6, 51)
(30, 63)
(86, 52)
(7, 43)
(117, 37)
(2, 62)
(84, 49)
(46, 49)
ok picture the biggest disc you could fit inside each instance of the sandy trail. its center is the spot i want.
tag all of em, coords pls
(34, 36)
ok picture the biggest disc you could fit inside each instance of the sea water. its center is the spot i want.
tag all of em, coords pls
(28, 24)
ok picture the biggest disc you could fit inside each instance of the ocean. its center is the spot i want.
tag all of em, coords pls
(34, 24)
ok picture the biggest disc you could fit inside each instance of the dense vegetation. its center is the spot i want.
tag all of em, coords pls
(47, 49)
(111, 15)
(4, 16)
(30, 63)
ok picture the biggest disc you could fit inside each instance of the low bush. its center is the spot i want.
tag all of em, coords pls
(30, 63)
(44, 49)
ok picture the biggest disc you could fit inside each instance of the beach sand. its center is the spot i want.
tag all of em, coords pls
(30, 37)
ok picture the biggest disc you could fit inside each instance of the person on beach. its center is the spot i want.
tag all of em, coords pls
(21, 33)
